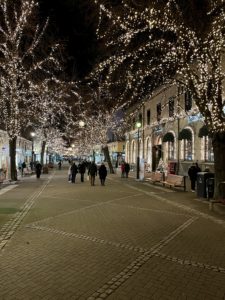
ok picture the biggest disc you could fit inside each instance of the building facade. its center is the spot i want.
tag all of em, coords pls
(172, 134)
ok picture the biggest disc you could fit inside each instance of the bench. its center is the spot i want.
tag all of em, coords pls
(156, 177)
(175, 181)
(27, 171)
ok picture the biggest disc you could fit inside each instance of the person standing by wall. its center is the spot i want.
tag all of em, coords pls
(192, 173)
(102, 173)
(92, 172)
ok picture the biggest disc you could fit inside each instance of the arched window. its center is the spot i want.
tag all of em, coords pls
(209, 154)
(206, 144)
(169, 139)
(186, 135)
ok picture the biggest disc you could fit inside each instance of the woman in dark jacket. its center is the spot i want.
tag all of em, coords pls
(74, 171)
(192, 173)
(38, 169)
(102, 173)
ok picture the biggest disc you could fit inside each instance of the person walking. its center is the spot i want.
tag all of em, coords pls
(192, 173)
(126, 169)
(102, 173)
(82, 169)
(122, 170)
(74, 171)
(38, 168)
(23, 167)
(60, 165)
(92, 172)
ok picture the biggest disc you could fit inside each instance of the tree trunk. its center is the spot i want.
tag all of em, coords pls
(12, 153)
(108, 159)
(43, 152)
(219, 164)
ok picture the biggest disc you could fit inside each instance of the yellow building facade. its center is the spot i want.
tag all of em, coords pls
(172, 134)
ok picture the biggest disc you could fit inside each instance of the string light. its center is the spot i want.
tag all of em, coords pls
(152, 42)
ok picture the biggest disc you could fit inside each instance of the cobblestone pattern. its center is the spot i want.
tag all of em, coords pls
(108, 288)
(10, 227)
(181, 206)
(84, 208)
(190, 263)
(146, 254)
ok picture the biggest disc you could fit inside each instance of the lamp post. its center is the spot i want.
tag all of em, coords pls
(32, 152)
(138, 126)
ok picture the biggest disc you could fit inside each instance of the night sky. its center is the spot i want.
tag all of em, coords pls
(73, 23)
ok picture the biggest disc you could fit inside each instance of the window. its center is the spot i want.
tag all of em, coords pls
(148, 117)
(171, 152)
(171, 106)
(158, 110)
(187, 100)
(187, 149)
(133, 123)
(208, 149)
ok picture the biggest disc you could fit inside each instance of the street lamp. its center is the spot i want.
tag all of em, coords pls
(138, 126)
(32, 152)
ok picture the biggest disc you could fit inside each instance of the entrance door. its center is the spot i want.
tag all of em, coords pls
(156, 155)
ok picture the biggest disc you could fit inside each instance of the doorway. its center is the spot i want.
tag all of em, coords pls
(156, 155)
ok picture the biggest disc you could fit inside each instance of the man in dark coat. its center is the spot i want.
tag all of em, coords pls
(82, 168)
(192, 173)
(38, 168)
(74, 171)
(92, 172)
(23, 167)
(126, 169)
(102, 173)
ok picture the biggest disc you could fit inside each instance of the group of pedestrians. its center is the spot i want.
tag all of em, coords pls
(36, 166)
(92, 169)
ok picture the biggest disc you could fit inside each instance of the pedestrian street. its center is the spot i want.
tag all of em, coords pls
(125, 240)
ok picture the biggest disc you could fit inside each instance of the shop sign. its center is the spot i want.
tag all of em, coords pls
(157, 129)
(194, 118)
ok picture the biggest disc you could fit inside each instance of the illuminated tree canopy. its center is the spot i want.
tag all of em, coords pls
(156, 42)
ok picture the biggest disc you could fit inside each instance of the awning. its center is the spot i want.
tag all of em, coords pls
(203, 131)
(168, 137)
(185, 134)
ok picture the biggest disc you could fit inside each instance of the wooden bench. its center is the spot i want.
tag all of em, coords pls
(27, 171)
(175, 181)
(156, 177)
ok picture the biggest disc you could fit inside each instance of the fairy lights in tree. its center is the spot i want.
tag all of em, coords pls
(22, 62)
(26, 64)
(169, 41)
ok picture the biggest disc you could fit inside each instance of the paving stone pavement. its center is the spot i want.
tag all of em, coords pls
(125, 240)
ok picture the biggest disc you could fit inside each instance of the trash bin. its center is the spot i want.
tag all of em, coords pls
(201, 183)
(209, 188)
